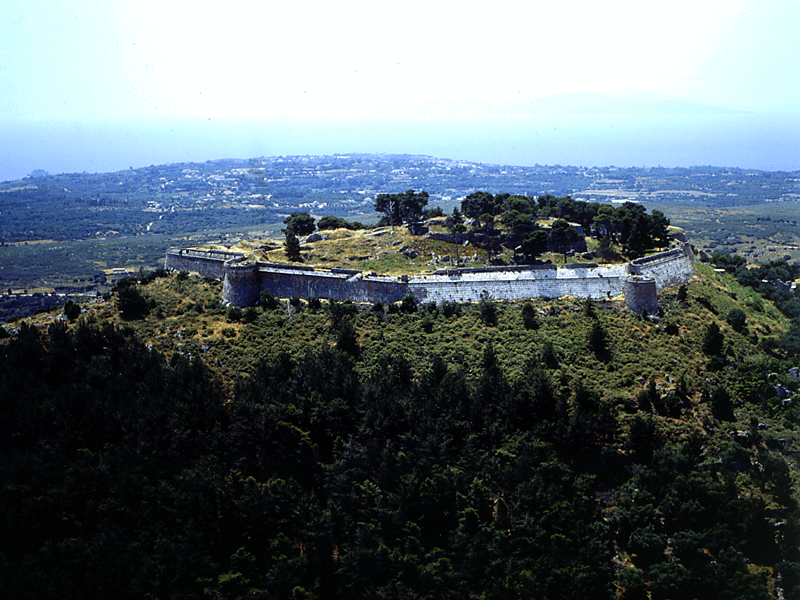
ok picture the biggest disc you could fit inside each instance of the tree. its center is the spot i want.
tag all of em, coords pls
(292, 246)
(457, 229)
(737, 319)
(330, 222)
(519, 224)
(563, 236)
(299, 223)
(522, 204)
(400, 208)
(72, 310)
(535, 243)
(131, 304)
(478, 203)
(722, 405)
(488, 309)
(659, 227)
(529, 319)
(603, 222)
(638, 237)
(713, 340)
(408, 305)
(598, 338)
(488, 220)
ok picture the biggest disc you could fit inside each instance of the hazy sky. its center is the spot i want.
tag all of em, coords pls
(83, 60)
(96, 59)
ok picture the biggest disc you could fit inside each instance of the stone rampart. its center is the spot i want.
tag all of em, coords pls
(601, 282)
(208, 263)
(672, 267)
(244, 280)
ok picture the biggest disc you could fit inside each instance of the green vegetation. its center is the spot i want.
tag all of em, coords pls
(628, 225)
(68, 231)
(292, 246)
(401, 208)
(330, 222)
(299, 223)
(156, 443)
(550, 448)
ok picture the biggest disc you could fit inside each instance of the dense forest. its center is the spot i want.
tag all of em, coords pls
(159, 444)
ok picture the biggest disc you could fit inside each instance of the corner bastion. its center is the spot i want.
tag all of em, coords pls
(244, 279)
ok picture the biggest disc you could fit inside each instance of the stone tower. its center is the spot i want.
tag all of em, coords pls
(641, 293)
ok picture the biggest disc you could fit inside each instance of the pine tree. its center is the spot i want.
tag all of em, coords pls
(292, 246)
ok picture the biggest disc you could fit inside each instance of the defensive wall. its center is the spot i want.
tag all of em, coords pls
(244, 279)
(210, 263)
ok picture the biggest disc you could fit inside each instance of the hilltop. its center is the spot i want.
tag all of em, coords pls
(67, 233)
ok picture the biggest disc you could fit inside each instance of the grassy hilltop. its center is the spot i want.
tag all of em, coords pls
(163, 444)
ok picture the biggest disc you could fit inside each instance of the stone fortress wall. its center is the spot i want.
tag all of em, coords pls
(244, 280)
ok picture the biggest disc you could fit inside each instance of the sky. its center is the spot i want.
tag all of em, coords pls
(387, 77)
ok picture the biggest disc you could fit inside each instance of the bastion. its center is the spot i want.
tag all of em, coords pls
(244, 278)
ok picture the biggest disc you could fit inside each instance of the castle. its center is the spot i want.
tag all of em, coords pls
(244, 278)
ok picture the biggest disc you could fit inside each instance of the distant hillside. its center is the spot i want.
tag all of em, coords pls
(189, 197)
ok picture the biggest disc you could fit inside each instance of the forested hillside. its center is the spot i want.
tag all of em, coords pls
(160, 444)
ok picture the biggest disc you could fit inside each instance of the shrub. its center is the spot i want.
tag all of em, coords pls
(488, 309)
(737, 319)
(721, 405)
(233, 314)
(268, 300)
(713, 340)
(548, 355)
(529, 319)
(598, 338)
(450, 308)
(588, 309)
(408, 305)
(72, 310)
(131, 304)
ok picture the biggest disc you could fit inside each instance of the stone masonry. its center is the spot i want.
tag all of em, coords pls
(244, 279)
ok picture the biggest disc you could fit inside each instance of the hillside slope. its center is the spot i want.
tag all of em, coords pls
(163, 444)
